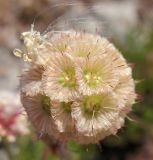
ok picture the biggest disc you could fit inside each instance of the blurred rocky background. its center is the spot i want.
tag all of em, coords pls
(128, 24)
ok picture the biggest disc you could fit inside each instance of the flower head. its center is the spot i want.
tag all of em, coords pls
(84, 89)
(12, 120)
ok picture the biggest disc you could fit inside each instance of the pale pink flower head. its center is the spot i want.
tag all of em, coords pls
(13, 121)
(78, 85)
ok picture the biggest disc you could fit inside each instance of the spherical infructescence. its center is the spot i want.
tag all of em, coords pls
(77, 86)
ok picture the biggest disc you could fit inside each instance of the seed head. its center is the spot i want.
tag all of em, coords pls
(78, 85)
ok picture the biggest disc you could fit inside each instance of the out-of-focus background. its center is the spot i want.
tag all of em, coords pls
(126, 23)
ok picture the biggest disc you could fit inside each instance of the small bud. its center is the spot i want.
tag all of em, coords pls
(18, 53)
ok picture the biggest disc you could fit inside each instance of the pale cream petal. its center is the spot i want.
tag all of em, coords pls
(32, 88)
(125, 92)
(82, 139)
(61, 113)
(41, 119)
(118, 61)
(31, 80)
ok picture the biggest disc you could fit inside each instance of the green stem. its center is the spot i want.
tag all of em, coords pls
(7, 149)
